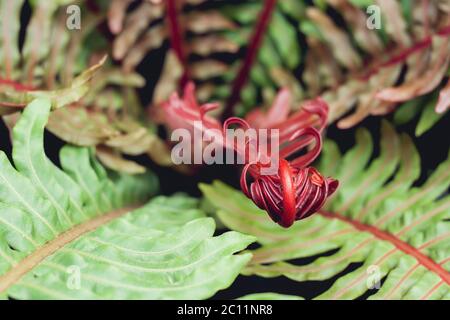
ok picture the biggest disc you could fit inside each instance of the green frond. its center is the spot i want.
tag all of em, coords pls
(70, 67)
(379, 219)
(303, 48)
(313, 49)
(422, 108)
(48, 63)
(82, 232)
(269, 296)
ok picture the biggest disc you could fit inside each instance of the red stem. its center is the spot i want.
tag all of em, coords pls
(402, 56)
(16, 85)
(250, 56)
(397, 242)
(176, 38)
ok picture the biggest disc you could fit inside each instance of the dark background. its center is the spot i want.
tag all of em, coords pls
(433, 147)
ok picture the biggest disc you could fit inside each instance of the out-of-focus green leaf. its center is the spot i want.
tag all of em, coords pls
(428, 118)
(60, 97)
(269, 296)
(408, 111)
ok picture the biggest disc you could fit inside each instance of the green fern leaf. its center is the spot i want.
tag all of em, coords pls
(59, 64)
(269, 296)
(82, 232)
(423, 107)
(395, 231)
(428, 118)
(31, 72)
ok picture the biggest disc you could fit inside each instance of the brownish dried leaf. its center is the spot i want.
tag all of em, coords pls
(168, 81)
(336, 38)
(206, 69)
(152, 39)
(135, 23)
(116, 14)
(428, 81)
(115, 161)
(395, 23)
(205, 45)
(444, 99)
(201, 22)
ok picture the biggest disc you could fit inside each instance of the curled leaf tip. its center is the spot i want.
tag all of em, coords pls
(183, 112)
(295, 190)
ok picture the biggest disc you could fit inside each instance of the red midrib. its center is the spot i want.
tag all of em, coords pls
(176, 38)
(398, 243)
(402, 56)
(16, 85)
(250, 56)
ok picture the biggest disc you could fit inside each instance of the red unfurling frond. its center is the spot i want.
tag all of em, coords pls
(295, 190)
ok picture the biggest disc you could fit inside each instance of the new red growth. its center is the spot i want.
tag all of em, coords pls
(296, 190)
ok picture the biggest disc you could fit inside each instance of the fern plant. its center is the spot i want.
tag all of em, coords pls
(85, 218)
(377, 219)
(239, 54)
(292, 44)
(35, 69)
(70, 68)
(91, 228)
